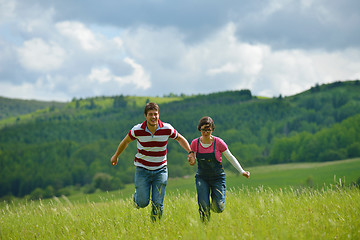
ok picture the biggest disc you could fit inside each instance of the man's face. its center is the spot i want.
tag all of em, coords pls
(152, 117)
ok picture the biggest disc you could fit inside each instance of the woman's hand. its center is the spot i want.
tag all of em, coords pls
(191, 159)
(246, 174)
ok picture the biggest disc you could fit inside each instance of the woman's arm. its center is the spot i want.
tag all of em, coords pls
(235, 163)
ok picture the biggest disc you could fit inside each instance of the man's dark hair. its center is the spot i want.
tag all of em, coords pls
(151, 106)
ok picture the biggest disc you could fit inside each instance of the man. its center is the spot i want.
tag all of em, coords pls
(151, 163)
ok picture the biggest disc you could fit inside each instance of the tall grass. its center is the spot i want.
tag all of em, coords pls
(250, 213)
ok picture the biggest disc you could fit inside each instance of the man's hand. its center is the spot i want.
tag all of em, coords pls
(114, 160)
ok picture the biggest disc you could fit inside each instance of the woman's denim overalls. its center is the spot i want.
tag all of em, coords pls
(210, 181)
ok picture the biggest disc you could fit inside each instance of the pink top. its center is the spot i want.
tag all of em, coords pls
(219, 148)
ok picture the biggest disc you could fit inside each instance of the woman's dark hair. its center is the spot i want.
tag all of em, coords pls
(206, 121)
(151, 106)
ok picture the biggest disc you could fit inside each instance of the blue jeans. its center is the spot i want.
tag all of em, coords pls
(214, 187)
(154, 181)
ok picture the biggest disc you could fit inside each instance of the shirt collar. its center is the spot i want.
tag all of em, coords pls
(160, 124)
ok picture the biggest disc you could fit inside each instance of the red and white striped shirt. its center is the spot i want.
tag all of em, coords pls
(152, 148)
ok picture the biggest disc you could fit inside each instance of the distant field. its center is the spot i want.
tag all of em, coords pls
(302, 174)
(294, 175)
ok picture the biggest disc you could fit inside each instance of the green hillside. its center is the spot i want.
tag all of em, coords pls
(71, 144)
(16, 107)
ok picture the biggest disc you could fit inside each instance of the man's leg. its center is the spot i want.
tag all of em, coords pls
(142, 187)
(158, 192)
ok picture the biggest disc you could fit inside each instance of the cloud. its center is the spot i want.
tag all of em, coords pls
(270, 47)
(303, 24)
(288, 72)
(139, 77)
(7, 9)
(79, 34)
(29, 90)
(37, 55)
(222, 62)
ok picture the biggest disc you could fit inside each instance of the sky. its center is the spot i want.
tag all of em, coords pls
(58, 50)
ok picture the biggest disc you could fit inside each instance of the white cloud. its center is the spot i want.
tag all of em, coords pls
(118, 42)
(227, 68)
(223, 62)
(139, 77)
(39, 22)
(77, 32)
(159, 44)
(248, 45)
(7, 8)
(274, 6)
(306, 3)
(288, 72)
(28, 90)
(37, 55)
(100, 75)
(232, 56)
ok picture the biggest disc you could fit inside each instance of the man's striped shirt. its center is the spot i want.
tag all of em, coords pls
(152, 148)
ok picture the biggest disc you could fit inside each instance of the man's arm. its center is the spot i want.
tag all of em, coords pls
(185, 145)
(123, 144)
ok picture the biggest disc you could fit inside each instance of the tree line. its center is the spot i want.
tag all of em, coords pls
(71, 145)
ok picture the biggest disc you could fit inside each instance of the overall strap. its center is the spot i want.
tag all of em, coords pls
(214, 143)
(197, 148)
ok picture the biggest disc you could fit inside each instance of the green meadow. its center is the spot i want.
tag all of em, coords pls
(289, 201)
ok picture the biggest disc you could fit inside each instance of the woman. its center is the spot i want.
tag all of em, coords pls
(210, 178)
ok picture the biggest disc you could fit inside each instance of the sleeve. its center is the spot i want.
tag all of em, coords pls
(221, 145)
(193, 145)
(174, 134)
(132, 134)
(233, 161)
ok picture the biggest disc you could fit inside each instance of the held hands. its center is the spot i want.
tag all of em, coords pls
(191, 159)
(246, 174)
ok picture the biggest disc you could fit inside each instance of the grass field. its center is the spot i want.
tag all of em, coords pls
(277, 202)
(249, 214)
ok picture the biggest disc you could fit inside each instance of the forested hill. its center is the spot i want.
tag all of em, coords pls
(15, 107)
(71, 143)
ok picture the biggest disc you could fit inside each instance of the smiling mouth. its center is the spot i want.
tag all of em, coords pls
(152, 122)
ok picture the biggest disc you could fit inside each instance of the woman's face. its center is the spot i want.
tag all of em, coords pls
(206, 130)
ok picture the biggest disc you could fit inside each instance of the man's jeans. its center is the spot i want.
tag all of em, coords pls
(146, 180)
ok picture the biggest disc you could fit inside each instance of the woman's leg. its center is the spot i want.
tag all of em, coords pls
(218, 194)
(203, 193)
